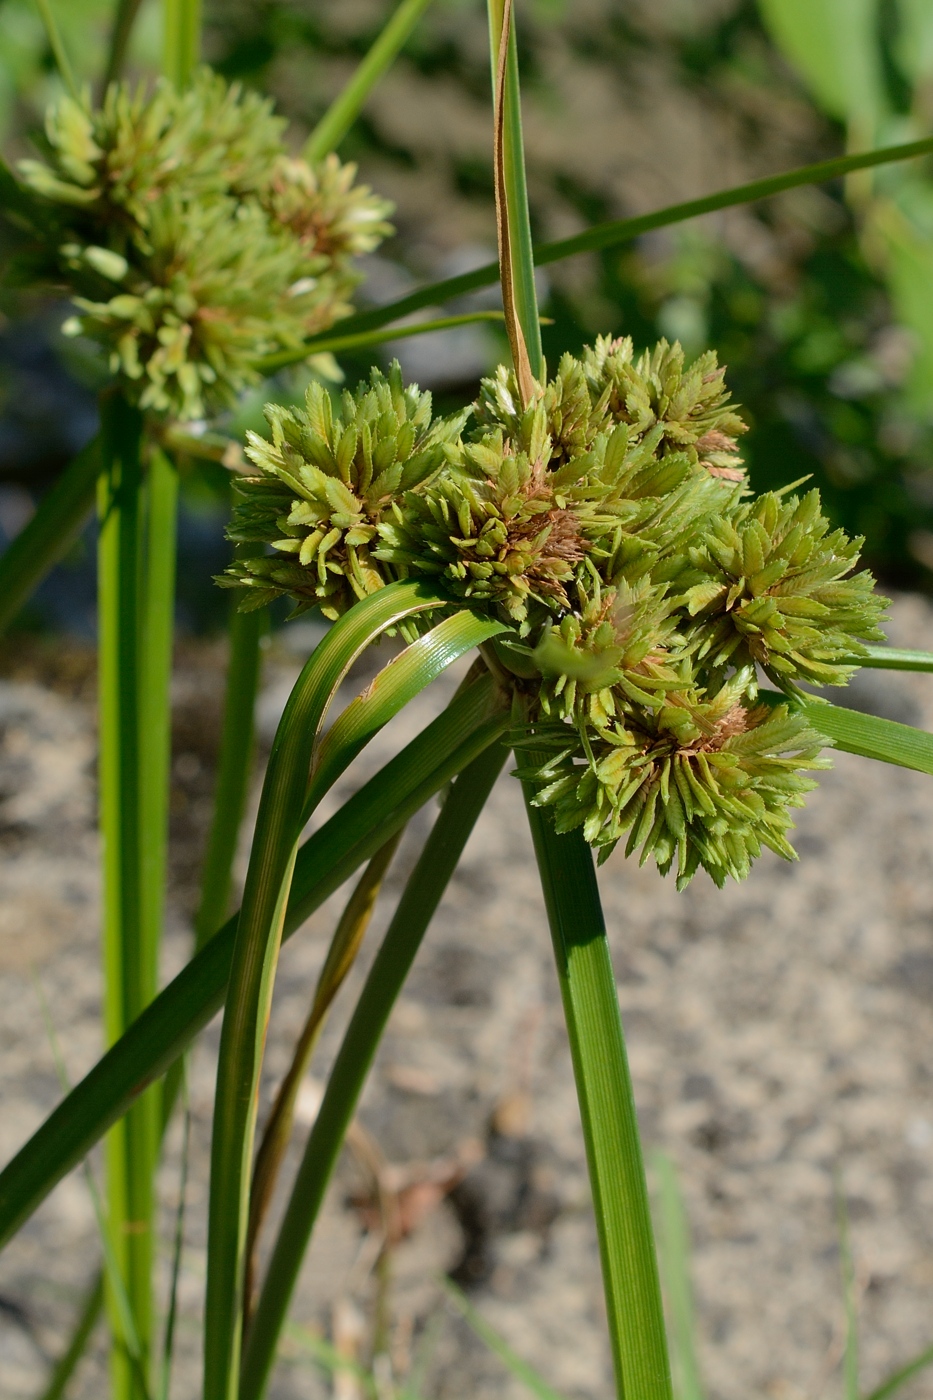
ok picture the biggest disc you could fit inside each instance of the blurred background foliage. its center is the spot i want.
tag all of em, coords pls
(820, 301)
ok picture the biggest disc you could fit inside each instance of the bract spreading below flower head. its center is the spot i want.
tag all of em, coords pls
(608, 522)
(192, 242)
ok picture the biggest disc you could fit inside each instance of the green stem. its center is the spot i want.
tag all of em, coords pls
(120, 34)
(337, 344)
(149, 1047)
(607, 1107)
(392, 964)
(346, 107)
(129, 958)
(234, 769)
(255, 956)
(87, 1320)
(54, 37)
(181, 45)
(60, 517)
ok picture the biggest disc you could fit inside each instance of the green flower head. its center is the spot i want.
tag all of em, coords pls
(608, 522)
(192, 243)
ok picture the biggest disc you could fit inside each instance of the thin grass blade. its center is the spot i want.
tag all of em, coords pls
(674, 1249)
(120, 35)
(422, 894)
(866, 735)
(895, 1382)
(618, 231)
(168, 1343)
(487, 1334)
(472, 722)
(850, 1357)
(88, 1317)
(59, 52)
(365, 340)
(62, 514)
(348, 104)
(181, 40)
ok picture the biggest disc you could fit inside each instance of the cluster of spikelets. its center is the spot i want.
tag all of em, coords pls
(647, 591)
(192, 243)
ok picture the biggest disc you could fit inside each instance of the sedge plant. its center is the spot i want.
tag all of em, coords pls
(643, 625)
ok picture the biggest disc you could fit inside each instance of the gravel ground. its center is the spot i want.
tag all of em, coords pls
(779, 1035)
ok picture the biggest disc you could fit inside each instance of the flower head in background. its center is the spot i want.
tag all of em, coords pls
(193, 244)
(609, 524)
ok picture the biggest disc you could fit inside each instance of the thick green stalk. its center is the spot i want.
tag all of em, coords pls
(155, 666)
(347, 105)
(618, 231)
(423, 893)
(129, 957)
(181, 44)
(255, 956)
(607, 1107)
(88, 1317)
(60, 517)
(165, 1030)
(234, 769)
(120, 34)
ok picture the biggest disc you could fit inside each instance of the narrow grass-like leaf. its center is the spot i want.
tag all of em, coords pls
(618, 231)
(899, 1378)
(607, 1106)
(60, 517)
(674, 1249)
(516, 259)
(400, 681)
(329, 1359)
(59, 53)
(234, 768)
(422, 894)
(341, 955)
(347, 105)
(168, 1344)
(365, 340)
(895, 659)
(472, 722)
(866, 735)
(88, 1317)
(850, 1361)
(518, 1368)
(255, 955)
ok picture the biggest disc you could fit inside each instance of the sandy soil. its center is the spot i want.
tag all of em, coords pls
(780, 1036)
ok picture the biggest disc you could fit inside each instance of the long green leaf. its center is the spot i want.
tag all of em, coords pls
(520, 1369)
(88, 1317)
(895, 659)
(516, 258)
(60, 517)
(674, 1244)
(900, 1377)
(348, 104)
(607, 1107)
(422, 894)
(130, 951)
(365, 340)
(472, 722)
(866, 735)
(255, 956)
(619, 231)
(59, 53)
